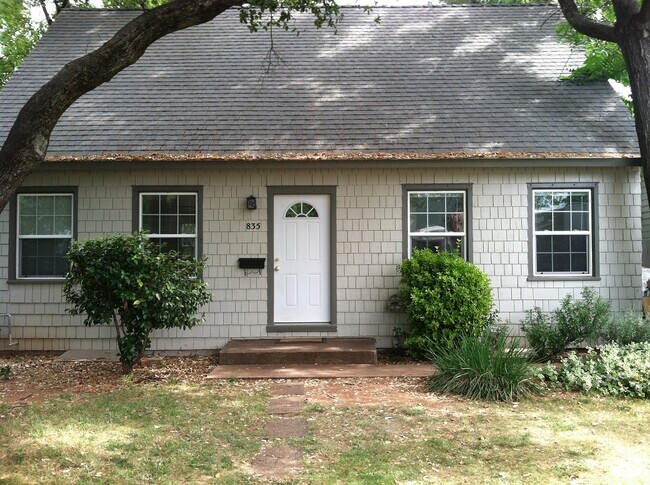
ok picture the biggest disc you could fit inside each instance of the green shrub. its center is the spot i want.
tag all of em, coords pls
(573, 322)
(613, 370)
(626, 328)
(5, 370)
(127, 282)
(444, 297)
(489, 366)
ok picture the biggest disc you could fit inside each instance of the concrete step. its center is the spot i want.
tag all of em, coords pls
(299, 352)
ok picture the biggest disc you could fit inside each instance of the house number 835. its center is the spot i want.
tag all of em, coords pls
(253, 226)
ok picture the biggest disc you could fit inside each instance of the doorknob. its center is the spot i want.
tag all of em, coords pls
(277, 268)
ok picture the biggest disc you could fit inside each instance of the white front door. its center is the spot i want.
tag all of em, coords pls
(302, 258)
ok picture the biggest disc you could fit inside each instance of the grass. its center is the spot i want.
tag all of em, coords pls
(209, 433)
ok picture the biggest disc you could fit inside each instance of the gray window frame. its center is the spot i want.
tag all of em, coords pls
(170, 189)
(407, 188)
(594, 243)
(13, 230)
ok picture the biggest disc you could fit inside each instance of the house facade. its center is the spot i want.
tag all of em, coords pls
(305, 186)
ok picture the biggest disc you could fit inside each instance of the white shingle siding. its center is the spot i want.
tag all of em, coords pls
(368, 246)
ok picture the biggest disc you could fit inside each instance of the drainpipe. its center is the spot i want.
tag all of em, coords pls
(7, 317)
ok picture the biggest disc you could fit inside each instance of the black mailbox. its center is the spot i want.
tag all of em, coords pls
(251, 263)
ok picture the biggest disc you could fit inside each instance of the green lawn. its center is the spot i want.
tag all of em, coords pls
(178, 432)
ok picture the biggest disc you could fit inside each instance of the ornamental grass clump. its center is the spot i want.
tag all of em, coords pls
(489, 366)
(445, 298)
(611, 370)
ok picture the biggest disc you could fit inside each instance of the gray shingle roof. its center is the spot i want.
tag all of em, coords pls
(425, 80)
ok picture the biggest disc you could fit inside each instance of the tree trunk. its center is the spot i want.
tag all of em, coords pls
(634, 42)
(26, 145)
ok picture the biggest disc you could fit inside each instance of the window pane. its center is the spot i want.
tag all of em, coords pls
(63, 205)
(543, 221)
(443, 243)
(560, 201)
(561, 221)
(418, 222)
(27, 225)
(187, 224)
(150, 204)
(579, 201)
(436, 202)
(27, 205)
(45, 225)
(45, 205)
(151, 224)
(579, 263)
(580, 221)
(168, 225)
(185, 246)
(543, 201)
(544, 244)
(63, 225)
(436, 223)
(544, 263)
(186, 204)
(455, 223)
(418, 202)
(560, 244)
(455, 203)
(561, 262)
(579, 244)
(169, 204)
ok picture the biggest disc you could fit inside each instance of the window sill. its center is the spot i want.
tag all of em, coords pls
(563, 278)
(36, 281)
(296, 327)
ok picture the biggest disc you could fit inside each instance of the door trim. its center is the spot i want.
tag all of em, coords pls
(271, 192)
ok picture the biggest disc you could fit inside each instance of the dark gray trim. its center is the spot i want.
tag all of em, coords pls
(299, 327)
(271, 192)
(154, 164)
(436, 187)
(595, 262)
(13, 229)
(135, 207)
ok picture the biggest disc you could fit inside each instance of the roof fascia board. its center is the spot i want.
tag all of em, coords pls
(343, 164)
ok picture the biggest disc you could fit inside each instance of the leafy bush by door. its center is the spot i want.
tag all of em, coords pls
(127, 282)
(445, 298)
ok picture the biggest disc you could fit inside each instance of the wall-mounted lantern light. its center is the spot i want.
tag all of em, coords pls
(251, 202)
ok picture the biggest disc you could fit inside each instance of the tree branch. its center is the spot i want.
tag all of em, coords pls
(585, 25)
(48, 19)
(27, 141)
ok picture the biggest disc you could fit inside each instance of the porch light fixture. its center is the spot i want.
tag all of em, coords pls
(251, 202)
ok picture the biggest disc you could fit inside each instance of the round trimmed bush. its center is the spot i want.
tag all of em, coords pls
(445, 299)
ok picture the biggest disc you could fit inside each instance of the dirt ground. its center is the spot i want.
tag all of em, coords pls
(36, 378)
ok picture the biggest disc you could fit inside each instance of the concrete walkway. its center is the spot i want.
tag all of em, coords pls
(319, 371)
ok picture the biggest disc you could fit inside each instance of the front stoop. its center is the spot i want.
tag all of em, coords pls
(299, 352)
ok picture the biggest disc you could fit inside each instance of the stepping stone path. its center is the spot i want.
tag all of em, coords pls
(276, 460)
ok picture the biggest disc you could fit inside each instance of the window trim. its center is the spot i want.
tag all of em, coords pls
(594, 248)
(136, 217)
(408, 188)
(13, 230)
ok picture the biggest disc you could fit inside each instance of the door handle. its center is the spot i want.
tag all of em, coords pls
(277, 268)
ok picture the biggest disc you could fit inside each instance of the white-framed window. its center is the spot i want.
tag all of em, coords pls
(170, 219)
(437, 220)
(563, 239)
(44, 231)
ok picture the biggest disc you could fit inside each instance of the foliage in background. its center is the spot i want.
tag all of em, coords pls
(626, 328)
(127, 282)
(445, 298)
(489, 366)
(17, 36)
(573, 322)
(613, 370)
